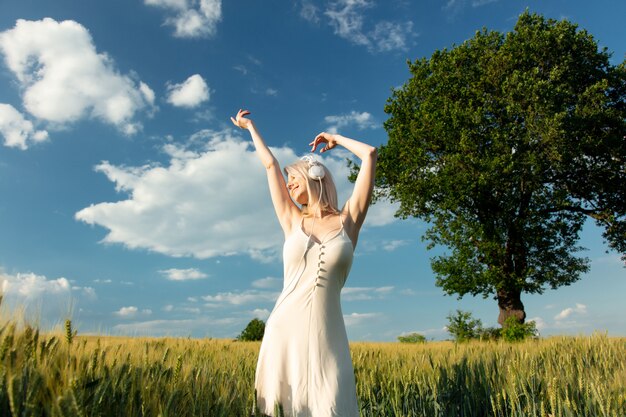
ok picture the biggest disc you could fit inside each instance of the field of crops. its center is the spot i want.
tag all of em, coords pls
(67, 375)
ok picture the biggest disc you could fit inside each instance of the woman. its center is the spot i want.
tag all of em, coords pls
(304, 363)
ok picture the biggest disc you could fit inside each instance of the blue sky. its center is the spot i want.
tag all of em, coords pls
(131, 204)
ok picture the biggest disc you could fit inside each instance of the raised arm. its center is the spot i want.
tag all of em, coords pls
(362, 193)
(283, 205)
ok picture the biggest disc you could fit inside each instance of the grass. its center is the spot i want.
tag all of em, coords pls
(67, 374)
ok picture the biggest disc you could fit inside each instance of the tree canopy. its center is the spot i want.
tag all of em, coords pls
(254, 331)
(505, 145)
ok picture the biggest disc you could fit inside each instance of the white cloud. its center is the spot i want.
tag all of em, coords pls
(261, 313)
(64, 79)
(190, 93)
(17, 131)
(580, 309)
(364, 293)
(381, 214)
(31, 286)
(540, 323)
(191, 18)
(198, 206)
(348, 20)
(243, 297)
(388, 36)
(268, 282)
(256, 61)
(391, 245)
(41, 298)
(88, 292)
(174, 274)
(356, 319)
(224, 327)
(132, 311)
(242, 69)
(309, 11)
(363, 120)
(205, 203)
(129, 311)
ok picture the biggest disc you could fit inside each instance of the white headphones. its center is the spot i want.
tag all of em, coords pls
(316, 170)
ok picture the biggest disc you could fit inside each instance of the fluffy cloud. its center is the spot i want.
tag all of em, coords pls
(191, 18)
(540, 323)
(388, 36)
(40, 298)
(310, 12)
(132, 311)
(199, 205)
(356, 319)
(362, 121)
(215, 327)
(17, 131)
(364, 293)
(348, 20)
(190, 93)
(127, 311)
(381, 214)
(174, 274)
(64, 79)
(268, 282)
(242, 297)
(32, 286)
(391, 245)
(261, 313)
(205, 203)
(580, 309)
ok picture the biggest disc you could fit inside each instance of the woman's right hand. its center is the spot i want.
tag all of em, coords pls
(241, 121)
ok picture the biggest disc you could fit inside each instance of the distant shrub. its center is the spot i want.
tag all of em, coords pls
(412, 338)
(254, 331)
(463, 327)
(514, 331)
(490, 333)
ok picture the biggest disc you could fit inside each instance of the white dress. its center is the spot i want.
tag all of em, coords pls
(304, 362)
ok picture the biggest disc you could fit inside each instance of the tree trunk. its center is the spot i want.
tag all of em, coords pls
(510, 304)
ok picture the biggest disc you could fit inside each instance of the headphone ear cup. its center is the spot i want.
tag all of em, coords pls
(316, 172)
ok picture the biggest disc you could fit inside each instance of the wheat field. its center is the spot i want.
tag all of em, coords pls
(65, 374)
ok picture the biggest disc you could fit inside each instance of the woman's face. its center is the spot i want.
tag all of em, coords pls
(297, 187)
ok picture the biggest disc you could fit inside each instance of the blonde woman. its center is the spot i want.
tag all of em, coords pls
(304, 363)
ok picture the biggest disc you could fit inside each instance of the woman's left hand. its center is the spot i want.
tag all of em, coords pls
(328, 138)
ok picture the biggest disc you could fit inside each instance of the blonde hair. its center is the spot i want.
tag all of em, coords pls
(328, 200)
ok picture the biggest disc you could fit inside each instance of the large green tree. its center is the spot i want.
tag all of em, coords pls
(505, 145)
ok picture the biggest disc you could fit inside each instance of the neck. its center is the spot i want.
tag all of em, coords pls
(317, 212)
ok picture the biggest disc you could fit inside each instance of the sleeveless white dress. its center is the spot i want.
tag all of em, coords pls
(304, 362)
